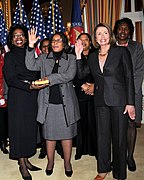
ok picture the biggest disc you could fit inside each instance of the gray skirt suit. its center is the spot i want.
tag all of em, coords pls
(59, 120)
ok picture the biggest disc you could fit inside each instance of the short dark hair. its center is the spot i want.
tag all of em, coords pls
(128, 22)
(12, 29)
(64, 40)
(90, 39)
(112, 39)
(41, 42)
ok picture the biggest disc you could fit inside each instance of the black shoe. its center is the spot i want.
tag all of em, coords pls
(131, 164)
(29, 177)
(49, 172)
(78, 156)
(68, 173)
(33, 168)
(3, 148)
(42, 156)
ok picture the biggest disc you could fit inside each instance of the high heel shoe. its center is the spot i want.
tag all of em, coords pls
(69, 173)
(99, 177)
(131, 164)
(29, 177)
(42, 155)
(49, 171)
(3, 148)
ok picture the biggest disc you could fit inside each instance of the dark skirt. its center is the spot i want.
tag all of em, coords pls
(22, 112)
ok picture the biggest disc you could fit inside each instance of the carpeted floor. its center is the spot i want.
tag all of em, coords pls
(84, 169)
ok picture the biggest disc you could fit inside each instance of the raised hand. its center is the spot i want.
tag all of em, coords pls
(78, 48)
(32, 37)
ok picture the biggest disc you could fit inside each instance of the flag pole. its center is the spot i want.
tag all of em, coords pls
(83, 7)
(53, 18)
(83, 11)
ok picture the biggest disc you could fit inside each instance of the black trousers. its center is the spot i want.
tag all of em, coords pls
(112, 130)
(86, 137)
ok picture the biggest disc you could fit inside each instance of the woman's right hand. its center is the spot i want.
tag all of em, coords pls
(32, 37)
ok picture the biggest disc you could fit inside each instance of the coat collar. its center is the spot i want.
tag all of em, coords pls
(63, 56)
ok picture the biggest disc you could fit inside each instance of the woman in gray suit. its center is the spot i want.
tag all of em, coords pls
(58, 109)
(123, 31)
(111, 68)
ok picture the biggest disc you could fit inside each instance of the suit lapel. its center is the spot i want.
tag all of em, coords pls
(96, 65)
(109, 56)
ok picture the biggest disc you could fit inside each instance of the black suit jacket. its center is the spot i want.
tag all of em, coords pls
(115, 86)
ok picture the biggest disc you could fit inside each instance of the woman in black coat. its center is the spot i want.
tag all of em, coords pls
(22, 101)
(86, 137)
(123, 31)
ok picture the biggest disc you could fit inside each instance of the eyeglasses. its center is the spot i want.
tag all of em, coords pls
(57, 40)
(18, 36)
(45, 46)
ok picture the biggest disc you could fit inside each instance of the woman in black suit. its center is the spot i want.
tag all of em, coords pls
(22, 102)
(123, 31)
(86, 137)
(111, 68)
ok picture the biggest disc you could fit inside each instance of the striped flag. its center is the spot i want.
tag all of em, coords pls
(3, 32)
(76, 22)
(3, 29)
(37, 20)
(3, 42)
(20, 16)
(54, 22)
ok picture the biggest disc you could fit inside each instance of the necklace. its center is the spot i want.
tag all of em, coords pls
(103, 54)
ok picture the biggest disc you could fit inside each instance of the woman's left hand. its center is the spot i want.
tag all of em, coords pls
(130, 109)
(32, 37)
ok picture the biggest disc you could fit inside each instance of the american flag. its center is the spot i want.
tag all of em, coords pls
(20, 16)
(37, 20)
(3, 29)
(76, 22)
(54, 22)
